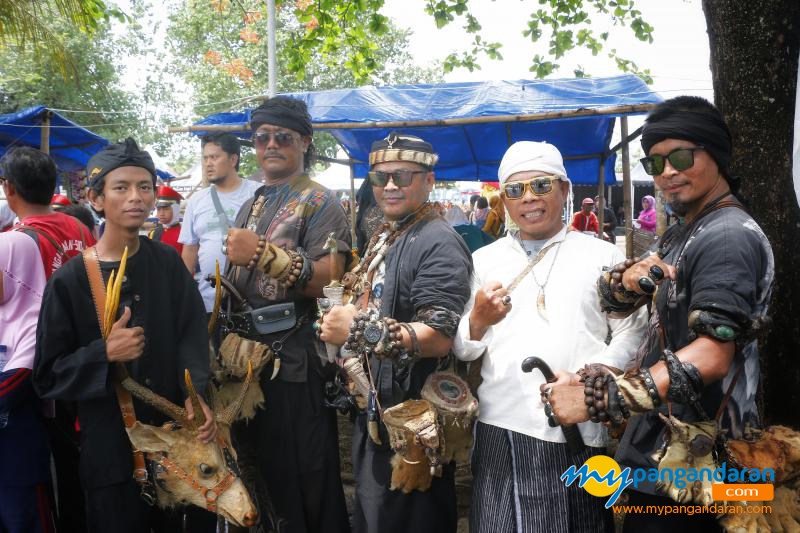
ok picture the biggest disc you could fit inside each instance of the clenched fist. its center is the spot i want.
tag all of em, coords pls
(240, 245)
(123, 343)
(489, 309)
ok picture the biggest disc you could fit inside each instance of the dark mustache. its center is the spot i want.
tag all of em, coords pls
(273, 154)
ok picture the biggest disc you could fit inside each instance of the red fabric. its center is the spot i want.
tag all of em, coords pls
(170, 236)
(582, 222)
(168, 193)
(66, 231)
(16, 379)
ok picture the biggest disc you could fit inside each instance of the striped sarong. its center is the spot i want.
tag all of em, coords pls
(517, 487)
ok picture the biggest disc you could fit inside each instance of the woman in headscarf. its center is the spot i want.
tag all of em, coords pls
(647, 217)
(496, 218)
(24, 451)
(481, 212)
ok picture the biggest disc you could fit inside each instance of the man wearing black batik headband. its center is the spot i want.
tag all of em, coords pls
(279, 265)
(159, 333)
(410, 289)
(713, 273)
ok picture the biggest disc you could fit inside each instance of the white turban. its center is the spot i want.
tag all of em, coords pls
(526, 156)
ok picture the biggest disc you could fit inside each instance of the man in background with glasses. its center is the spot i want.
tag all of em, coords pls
(411, 284)
(533, 294)
(279, 264)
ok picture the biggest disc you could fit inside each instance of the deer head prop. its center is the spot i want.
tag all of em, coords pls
(185, 470)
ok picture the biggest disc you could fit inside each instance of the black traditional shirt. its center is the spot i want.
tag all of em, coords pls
(301, 213)
(724, 262)
(71, 362)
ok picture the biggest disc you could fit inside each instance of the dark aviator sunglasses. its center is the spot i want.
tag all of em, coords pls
(282, 138)
(401, 178)
(679, 159)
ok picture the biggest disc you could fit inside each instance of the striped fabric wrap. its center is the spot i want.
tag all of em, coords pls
(401, 154)
(634, 391)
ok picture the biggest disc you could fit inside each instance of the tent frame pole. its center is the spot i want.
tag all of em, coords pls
(601, 185)
(44, 139)
(353, 240)
(618, 110)
(272, 83)
(626, 188)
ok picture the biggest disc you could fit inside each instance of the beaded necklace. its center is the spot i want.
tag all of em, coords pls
(357, 281)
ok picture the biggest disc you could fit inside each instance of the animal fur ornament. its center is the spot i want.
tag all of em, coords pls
(776, 447)
(690, 446)
(784, 518)
(414, 436)
(231, 368)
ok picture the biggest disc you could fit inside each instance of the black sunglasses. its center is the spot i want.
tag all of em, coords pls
(401, 178)
(282, 138)
(679, 159)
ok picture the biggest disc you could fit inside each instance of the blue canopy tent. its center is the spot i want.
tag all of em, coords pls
(472, 124)
(69, 144)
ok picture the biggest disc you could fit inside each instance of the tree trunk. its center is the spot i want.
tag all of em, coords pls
(754, 59)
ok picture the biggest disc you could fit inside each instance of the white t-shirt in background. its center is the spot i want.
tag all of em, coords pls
(201, 226)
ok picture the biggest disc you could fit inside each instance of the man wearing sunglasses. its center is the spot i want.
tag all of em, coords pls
(279, 264)
(413, 282)
(714, 272)
(533, 295)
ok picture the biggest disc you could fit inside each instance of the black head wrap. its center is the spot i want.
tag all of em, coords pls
(121, 154)
(283, 111)
(698, 126)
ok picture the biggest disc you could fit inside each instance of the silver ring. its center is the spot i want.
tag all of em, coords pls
(506, 299)
(224, 249)
(225, 239)
(547, 392)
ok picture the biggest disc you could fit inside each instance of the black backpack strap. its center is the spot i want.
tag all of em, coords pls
(37, 231)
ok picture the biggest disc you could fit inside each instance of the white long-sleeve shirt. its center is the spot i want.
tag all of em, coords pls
(573, 335)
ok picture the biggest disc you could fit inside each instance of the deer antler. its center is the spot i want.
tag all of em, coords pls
(229, 414)
(217, 300)
(199, 415)
(151, 398)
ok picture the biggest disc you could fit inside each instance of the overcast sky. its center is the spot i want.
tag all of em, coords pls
(678, 57)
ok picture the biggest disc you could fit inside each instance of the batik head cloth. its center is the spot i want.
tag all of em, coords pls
(703, 127)
(284, 112)
(114, 156)
(401, 147)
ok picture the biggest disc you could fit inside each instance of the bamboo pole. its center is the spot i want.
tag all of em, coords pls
(626, 188)
(661, 213)
(353, 240)
(44, 139)
(601, 184)
(533, 117)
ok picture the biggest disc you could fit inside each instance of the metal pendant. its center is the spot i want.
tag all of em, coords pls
(540, 306)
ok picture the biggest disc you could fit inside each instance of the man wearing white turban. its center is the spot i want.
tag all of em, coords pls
(549, 274)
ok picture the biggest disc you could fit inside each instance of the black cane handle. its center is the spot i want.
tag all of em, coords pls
(575, 443)
(536, 362)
